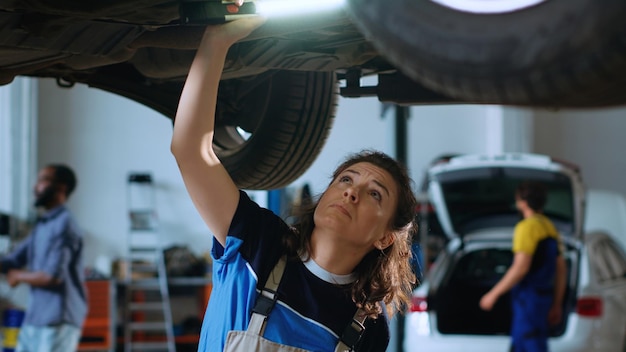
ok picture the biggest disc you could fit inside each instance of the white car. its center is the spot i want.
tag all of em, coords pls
(606, 212)
(474, 200)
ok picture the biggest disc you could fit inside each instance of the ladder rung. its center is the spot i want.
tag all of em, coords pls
(146, 306)
(145, 248)
(151, 283)
(153, 346)
(148, 326)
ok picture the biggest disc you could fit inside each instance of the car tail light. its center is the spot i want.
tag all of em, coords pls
(590, 307)
(419, 304)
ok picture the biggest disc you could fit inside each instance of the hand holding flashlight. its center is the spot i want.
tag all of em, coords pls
(202, 12)
(215, 11)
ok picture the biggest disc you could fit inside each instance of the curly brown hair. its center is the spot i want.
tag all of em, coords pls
(382, 275)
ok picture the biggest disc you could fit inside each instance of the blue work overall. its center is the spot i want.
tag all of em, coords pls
(532, 299)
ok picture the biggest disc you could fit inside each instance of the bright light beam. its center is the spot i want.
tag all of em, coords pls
(275, 8)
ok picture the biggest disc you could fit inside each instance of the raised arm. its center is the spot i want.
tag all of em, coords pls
(211, 188)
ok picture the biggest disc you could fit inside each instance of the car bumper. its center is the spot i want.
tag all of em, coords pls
(582, 335)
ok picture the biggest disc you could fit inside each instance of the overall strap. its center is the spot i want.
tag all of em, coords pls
(267, 299)
(353, 332)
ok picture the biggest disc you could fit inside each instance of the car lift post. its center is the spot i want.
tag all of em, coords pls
(402, 114)
(401, 117)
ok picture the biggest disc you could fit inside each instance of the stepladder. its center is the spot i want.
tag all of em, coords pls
(148, 324)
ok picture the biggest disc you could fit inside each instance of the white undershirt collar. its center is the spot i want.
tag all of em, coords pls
(327, 276)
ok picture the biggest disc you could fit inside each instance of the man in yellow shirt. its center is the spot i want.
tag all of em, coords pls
(537, 276)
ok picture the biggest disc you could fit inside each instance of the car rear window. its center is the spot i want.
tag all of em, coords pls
(485, 197)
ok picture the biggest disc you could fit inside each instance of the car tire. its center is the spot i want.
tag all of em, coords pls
(556, 53)
(287, 114)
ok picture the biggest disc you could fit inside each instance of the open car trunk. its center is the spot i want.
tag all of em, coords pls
(473, 193)
(474, 272)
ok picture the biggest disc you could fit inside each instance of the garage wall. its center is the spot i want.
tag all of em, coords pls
(18, 122)
(433, 131)
(593, 139)
(105, 137)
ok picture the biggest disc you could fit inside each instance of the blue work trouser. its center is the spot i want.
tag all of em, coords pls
(529, 329)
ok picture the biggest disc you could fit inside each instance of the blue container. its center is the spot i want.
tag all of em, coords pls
(11, 322)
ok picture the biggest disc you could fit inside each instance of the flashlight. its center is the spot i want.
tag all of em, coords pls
(214, 12)
(203, 12)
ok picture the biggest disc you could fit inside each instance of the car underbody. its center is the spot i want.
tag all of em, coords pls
(80, 43)
(551, 54)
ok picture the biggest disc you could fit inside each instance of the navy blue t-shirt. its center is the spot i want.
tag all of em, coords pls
(313, 309)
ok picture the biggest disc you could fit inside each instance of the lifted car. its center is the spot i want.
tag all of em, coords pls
(280, 85)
